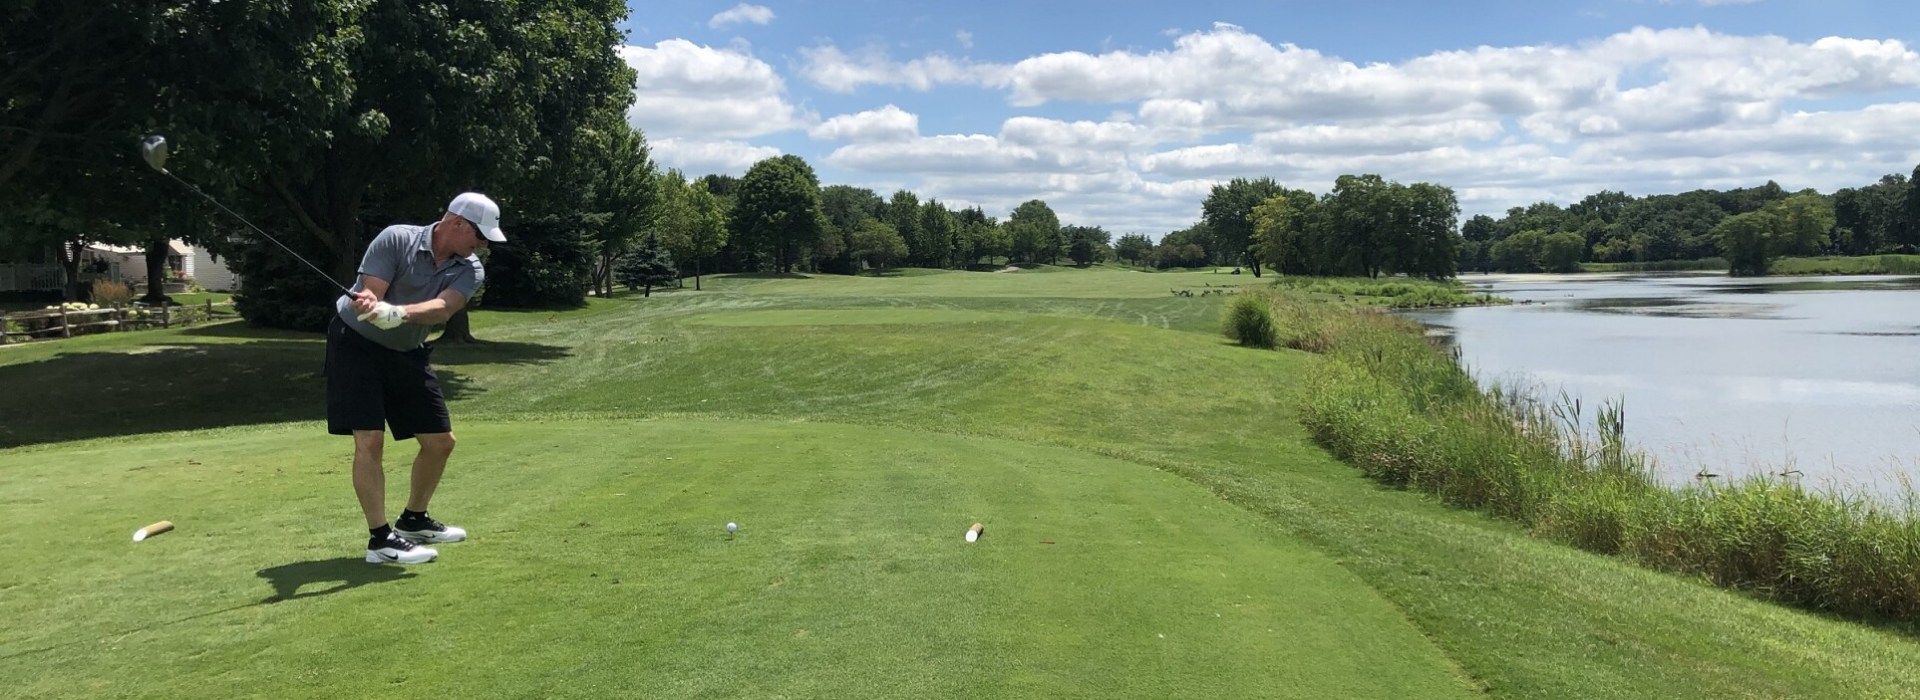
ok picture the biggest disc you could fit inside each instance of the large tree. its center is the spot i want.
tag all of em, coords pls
(936, 236)
(777, 215)
(1132, 247)
(981, 236)
(81, 82)
(691, 224)
(1228, 211)
(903, 213)
(626, 194)
(1359, 213)
(1035, 232)
(393, 107)
(845, 207)
(877, 244)
(1751, 241)
(1087, 245)
(1910, 222)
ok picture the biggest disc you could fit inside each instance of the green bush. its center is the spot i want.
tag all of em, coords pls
(1249, 322)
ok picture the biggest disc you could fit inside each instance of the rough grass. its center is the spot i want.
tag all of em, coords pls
(1408, 416)
(1395, 293)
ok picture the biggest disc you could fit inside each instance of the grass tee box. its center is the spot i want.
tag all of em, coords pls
(600, 565)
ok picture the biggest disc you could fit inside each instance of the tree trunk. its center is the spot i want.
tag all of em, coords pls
(459, 329)
(157, 250)
(70, 264)
(696, 275)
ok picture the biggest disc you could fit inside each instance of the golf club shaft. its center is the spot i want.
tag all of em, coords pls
(256, 229)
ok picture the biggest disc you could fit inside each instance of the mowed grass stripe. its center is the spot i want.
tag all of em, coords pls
(599, 566)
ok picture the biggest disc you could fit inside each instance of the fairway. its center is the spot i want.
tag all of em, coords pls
(599, 565)
(1158, 523)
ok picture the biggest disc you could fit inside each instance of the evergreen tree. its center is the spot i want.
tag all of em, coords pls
(646, 266)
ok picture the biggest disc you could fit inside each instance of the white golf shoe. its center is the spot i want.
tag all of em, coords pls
(426, 530)
(396, 550)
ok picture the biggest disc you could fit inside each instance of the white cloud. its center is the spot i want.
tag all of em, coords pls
(684, 89)
(698, 157)
(1227, 78)
(965, 37)
(1645, 111)
(888, 123)
(835, 70)
(743, 12)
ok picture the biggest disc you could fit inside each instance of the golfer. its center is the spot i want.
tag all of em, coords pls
(378, 377)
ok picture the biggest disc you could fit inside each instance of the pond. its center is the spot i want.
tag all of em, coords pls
(1817, 378)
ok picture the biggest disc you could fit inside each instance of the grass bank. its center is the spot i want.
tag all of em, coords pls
(1410, 417)
(1393, 293)
(1865, 265)
(1701, 265)
(1820, 265)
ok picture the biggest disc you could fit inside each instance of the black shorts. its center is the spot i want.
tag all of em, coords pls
(373, 387)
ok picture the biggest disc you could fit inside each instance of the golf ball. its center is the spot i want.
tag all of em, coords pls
(731, 527)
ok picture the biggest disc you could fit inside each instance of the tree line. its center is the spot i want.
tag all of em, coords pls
(1365, 225)
(1746, 226)
(326, 121)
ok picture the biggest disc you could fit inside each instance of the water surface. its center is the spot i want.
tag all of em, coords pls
(1815, 377)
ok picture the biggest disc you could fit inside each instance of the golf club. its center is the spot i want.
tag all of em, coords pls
(154, 150)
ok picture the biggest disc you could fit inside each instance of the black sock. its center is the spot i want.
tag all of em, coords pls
(412, 515)
(380, 534)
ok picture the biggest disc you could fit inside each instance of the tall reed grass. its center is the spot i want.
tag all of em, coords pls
(1392, 292)
(1406, 414)
(1863, 265)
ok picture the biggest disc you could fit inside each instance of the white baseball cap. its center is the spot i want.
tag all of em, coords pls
(480, 210)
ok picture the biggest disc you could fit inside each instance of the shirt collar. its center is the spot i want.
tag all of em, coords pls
(426, 239)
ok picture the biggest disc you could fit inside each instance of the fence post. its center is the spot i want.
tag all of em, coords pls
(3, 329)
(66, 329)
(166, 315)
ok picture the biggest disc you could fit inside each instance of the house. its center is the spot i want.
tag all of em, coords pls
(127, 264)
(36, 271)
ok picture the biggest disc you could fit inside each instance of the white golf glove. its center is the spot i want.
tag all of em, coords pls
(385, 316)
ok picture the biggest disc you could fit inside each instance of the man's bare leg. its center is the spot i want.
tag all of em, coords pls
(369, 476)
(427, 468)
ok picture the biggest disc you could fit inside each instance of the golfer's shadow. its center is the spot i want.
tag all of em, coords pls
(344, 573)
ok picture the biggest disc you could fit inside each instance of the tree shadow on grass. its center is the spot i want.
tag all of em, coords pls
(764, 276)
(494, 352)
(344, 572)
(189, 386)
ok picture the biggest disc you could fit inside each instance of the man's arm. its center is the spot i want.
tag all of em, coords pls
(373, 289)
(435, 310)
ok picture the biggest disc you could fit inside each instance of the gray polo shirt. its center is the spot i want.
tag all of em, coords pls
(403, 256)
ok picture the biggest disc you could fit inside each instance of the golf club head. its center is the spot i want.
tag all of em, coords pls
(154, 150)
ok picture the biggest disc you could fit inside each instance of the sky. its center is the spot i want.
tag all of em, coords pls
(1125, 114)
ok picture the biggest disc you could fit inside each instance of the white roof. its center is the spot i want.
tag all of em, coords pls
(179, 248)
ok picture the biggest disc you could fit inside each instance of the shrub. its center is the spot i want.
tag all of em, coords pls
(1250, 322)
(111, 293)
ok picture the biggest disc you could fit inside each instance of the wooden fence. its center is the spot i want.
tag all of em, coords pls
(61, 322)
